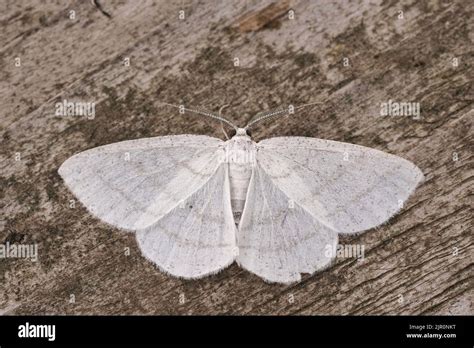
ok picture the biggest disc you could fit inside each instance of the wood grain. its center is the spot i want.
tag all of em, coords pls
(260, 18)
(420, 262)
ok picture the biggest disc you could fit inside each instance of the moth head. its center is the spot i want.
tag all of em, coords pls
(241, 133)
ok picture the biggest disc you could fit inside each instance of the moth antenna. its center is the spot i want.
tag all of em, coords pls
(202, 113)
(261, 116)
(222, 124)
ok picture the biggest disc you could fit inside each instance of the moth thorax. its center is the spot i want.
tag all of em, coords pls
(239, 155)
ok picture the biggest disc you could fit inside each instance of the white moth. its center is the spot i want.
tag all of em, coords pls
(198, 203)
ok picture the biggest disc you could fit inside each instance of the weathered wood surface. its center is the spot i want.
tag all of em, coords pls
(420, 262)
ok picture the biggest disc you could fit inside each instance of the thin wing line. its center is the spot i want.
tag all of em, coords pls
(347, 195)
(198, 238)
(160, 173)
